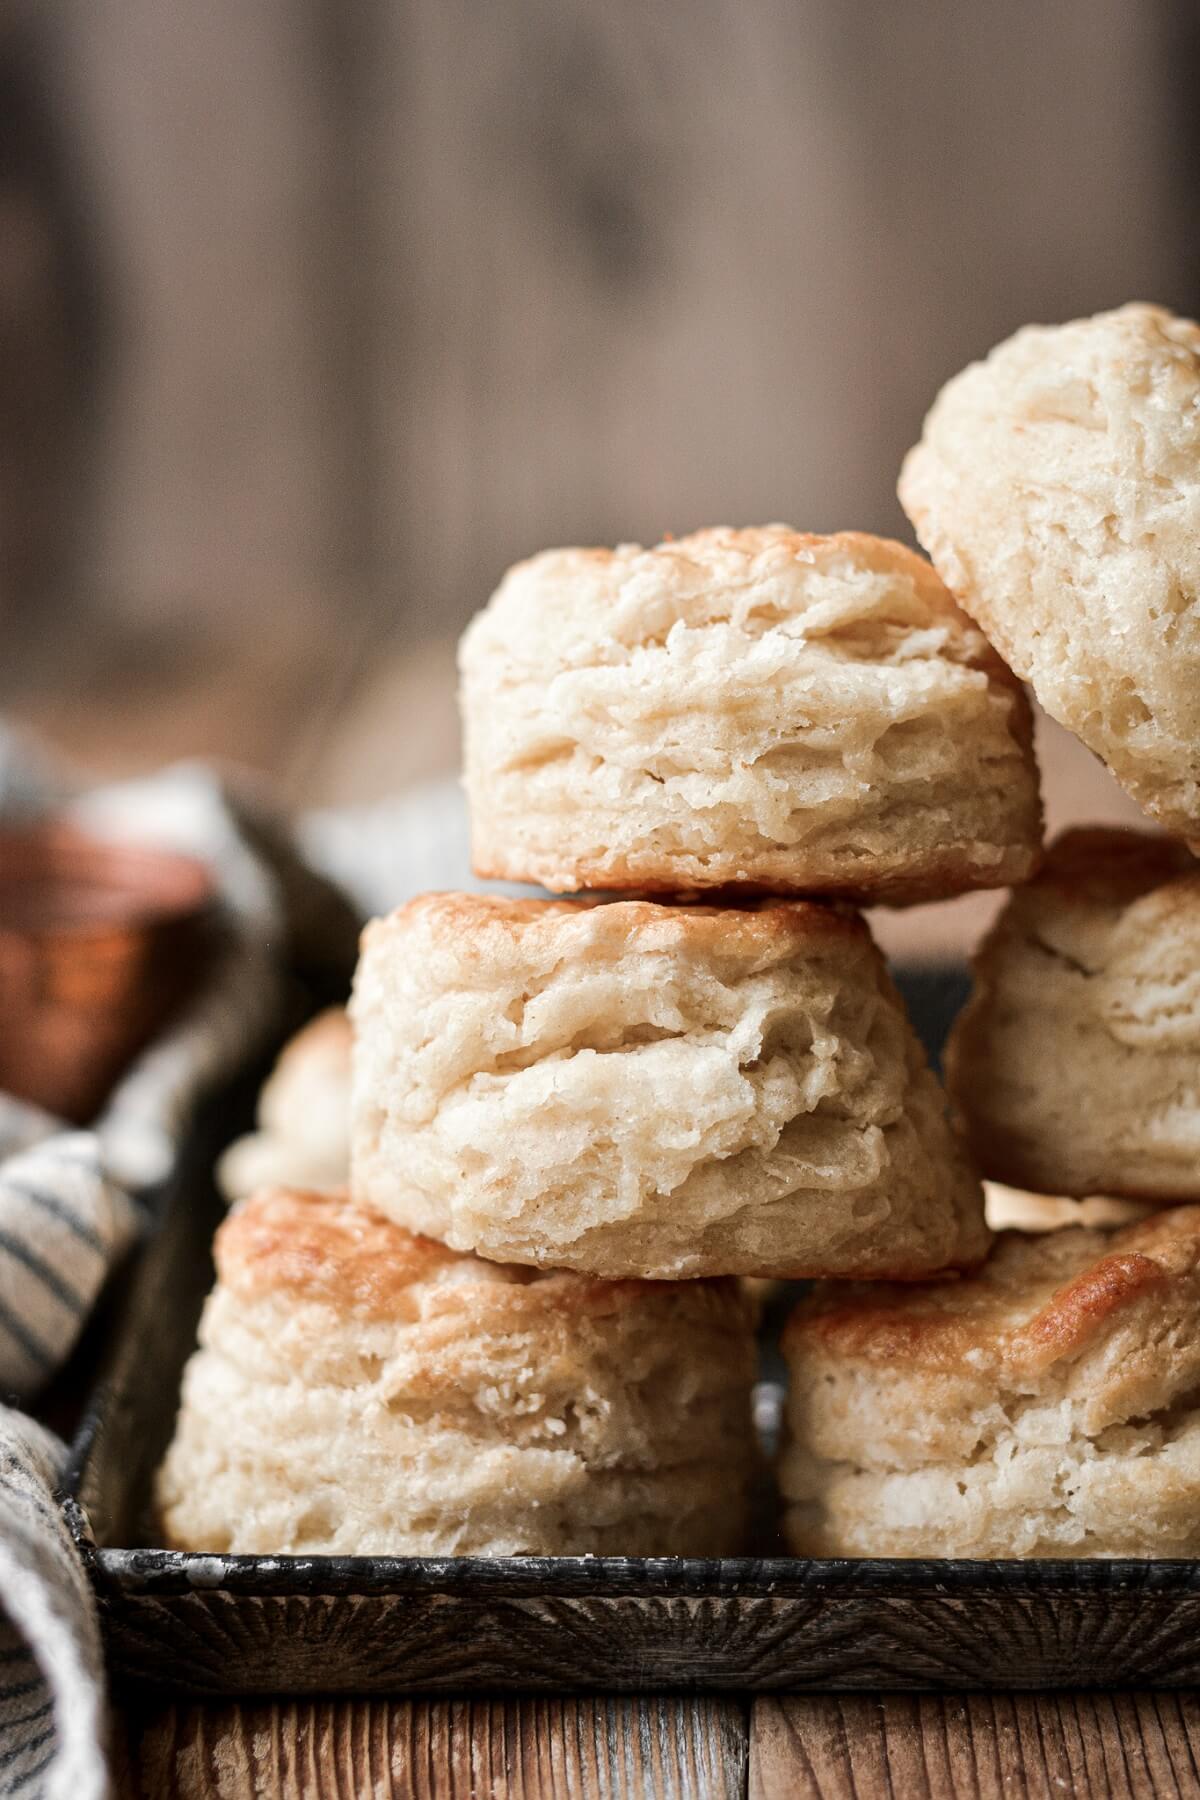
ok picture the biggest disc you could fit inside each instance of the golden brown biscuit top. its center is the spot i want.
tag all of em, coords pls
(324, 1249)
(772, 927)
(1120, 904)
(719, 551)
(1034, 1302)
(1111, 865)
(871, 597)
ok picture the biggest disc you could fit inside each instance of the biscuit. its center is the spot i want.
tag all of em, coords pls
(1076, 1062)
(761, 709)
(630, 1089)
(1057, 489)
(360, 1391)
(1043, 1407)
(303, 1135)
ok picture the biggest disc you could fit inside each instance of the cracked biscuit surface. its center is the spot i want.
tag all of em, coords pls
(630, 1089)
(361, 1391)
(1076, 1062)
(1056, 487)
(762, 709)
(1046, 1406)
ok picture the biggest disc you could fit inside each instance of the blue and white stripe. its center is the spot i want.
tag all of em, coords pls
(63, 1224)
(51, 1667)
(67, 1216)
(66, 1211)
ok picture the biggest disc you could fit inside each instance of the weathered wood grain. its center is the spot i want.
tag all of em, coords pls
(989, 1746)
(1074, 1746)
(390, 293)
(635, 274)
(209, 144)
(605, 1749)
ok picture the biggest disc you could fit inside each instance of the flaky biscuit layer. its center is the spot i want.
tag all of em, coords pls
(1057, 488)
(763, 709)
(634, 1089)
(1043, 1407)
(360, 1391)
(1076, 1062)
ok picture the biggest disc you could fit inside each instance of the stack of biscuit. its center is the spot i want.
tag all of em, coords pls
(1047, 1405)
(574, 1121)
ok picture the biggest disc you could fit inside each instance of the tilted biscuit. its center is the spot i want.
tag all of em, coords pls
(762, 709)
(1076, 1062)
(630, 1089)
(360, 1391)
(1057, 489)
(1043, 1407)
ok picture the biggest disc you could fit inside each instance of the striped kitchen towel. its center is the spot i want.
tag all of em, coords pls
(63, 1224)
(52, 1739)
(72, 1201)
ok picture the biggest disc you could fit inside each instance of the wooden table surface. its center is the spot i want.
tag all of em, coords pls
(849, 1746)
(837, 1747)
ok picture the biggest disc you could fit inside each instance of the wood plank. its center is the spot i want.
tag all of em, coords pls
(228, 447)
(992, 1747)
(608, 1749)
(630, 277)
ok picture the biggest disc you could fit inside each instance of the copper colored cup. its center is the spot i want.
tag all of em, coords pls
(99, 943)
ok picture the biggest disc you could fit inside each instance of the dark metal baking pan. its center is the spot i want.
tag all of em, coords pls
(196, 1624)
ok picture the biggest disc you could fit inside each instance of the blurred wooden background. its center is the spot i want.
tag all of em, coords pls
(316, 313)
